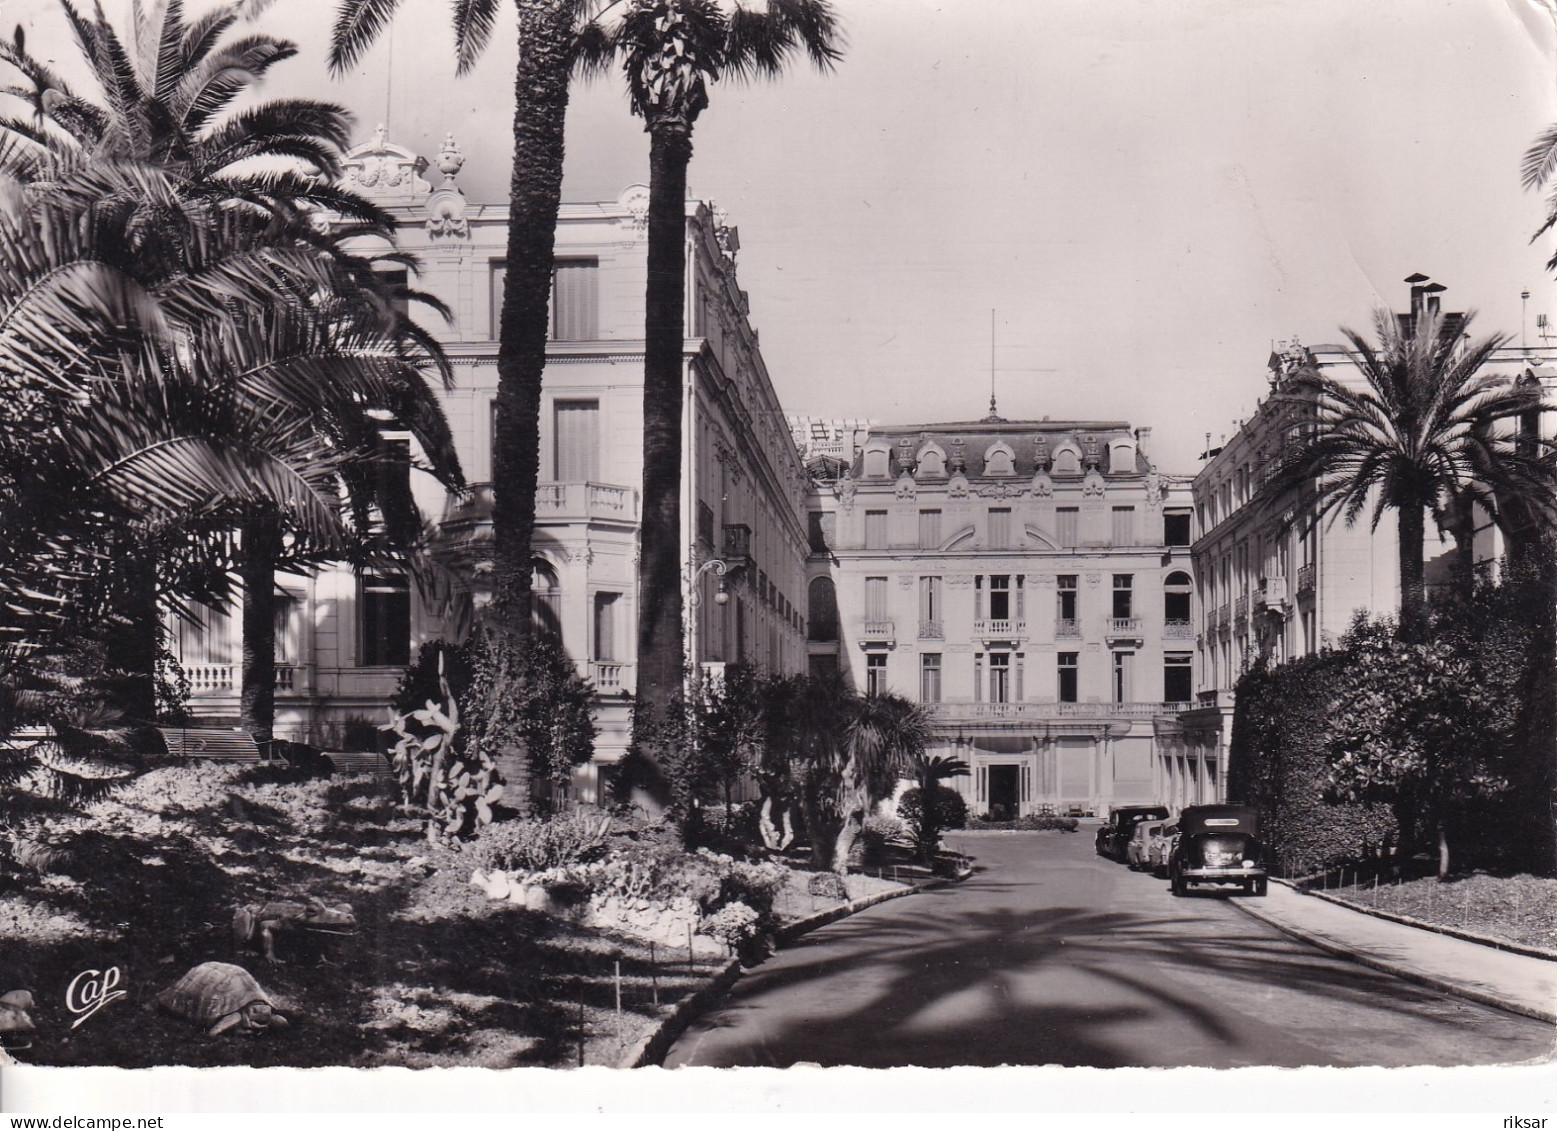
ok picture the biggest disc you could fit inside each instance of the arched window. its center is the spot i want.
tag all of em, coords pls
(822, 602)
(932, 463)
(877, 462)
(1121, 457)
(999, 460)
(1175, 598)
(1067, 461)
(546, 599)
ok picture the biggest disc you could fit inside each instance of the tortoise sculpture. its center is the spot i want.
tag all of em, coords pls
(16, 1027)
(222, 996)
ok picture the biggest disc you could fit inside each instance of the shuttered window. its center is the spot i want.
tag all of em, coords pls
(929, 529)
(1067, 521)
(999, 528)
(577, 432)
(875, 598)
(875, 530)
(575, 300)
(1124, 526)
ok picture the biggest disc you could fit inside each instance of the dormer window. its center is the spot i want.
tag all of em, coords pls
(999, 460)
(877, 462)
(1067, 460)
(1121, 457)
(932, 463)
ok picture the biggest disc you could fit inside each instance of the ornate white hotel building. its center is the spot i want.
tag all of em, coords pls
(1029, 582)
(346, 636)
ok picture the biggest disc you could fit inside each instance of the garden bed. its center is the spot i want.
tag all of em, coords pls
(1516, 909)
(437, 973)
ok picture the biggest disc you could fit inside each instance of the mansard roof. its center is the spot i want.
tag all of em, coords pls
(1021, 436)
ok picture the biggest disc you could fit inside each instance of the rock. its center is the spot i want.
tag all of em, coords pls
(828, 885)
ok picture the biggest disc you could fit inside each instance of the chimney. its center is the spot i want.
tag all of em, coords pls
(1142, 436)
(1418, 289)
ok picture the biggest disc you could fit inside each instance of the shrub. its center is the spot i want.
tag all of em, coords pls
(536, 846)
(1278, 764)
(952, 808)
(1033, 822)
(734, 924)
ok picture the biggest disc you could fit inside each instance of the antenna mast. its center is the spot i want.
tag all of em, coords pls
(992, 412)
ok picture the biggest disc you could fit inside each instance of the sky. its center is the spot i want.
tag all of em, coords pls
(1146, 193)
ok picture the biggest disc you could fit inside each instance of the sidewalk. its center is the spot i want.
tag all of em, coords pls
(1515, 982)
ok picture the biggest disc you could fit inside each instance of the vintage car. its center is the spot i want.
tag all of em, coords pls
(1115, 833)
(1218, 844)
(1140, 840)
(1159, 847)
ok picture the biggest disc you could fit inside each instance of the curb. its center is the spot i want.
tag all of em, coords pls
(650, 1049)
(1410, 974)
(1435, 928)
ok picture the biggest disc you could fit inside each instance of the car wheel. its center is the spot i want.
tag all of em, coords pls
(1259, 887)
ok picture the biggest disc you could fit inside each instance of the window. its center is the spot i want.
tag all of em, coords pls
(1000, 596)
(822, 611)
(546, 600)
(1124, 526)
(1122, 595)
(1016, 668)
(875, 530)
(1067, 522)
(876, 673)
(705, 524)
(576, 434)
(1067, 461)
(930, 608)
(1068, 673)
(392, 487)
(978, 677)
(1176, 677)
(1175, 528)
(1175, 599)
(929, 530)
(605, 625)
(875, 598)
(1123, 662)
(575, 300)
(1000, 677)
(876, 463)
(386, 620)
(930, 677)
(815, 535)
(1065, 608)
(999, 528)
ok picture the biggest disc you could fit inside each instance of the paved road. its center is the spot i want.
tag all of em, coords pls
(1050, 955)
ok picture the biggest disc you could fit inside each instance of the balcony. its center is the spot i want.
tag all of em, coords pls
(554, 502)
(737, 545)
(951, 712)
(877, 632)
(1272, 596)
(1241, 609)
(1305, 579)
(224, 679)
(1000, 628)
(610, 677)
(1067, 628)
(931, 630)
(1178, 630)
(1124, 628)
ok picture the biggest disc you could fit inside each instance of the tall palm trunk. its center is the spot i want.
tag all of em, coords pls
(1413, 591)
(659, 599)
(133, 641)
(546, 31)
(260, 548)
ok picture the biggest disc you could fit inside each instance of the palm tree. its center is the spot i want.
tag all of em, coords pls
(671, 50)
(1419, 438)
(549, 34)
(157, 167)
(887, 736)
(929, 771)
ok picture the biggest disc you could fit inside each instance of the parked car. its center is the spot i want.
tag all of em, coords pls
(1160, 847)
(1218, 844)
(1115, 833)
(1135, 851)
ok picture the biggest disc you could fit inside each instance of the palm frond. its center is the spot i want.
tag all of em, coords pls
(357, 24)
